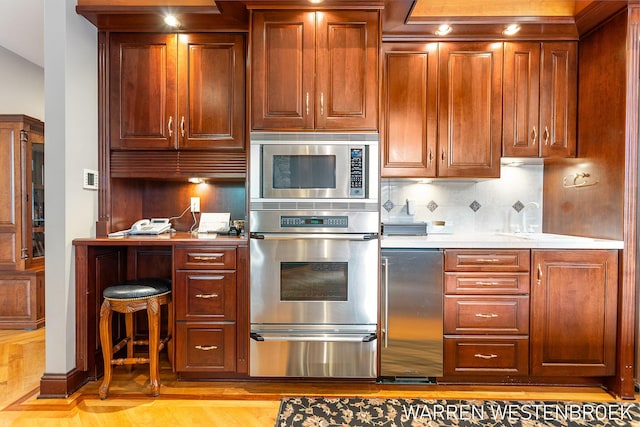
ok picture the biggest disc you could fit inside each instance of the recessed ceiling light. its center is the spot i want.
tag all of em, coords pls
(171, 21)
(511, 30)
(443, 30)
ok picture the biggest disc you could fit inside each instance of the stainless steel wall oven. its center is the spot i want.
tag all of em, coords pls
(313, 270)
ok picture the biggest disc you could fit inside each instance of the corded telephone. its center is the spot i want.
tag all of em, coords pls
(146, 226)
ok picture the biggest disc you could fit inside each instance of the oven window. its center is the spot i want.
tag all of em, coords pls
(304, 171)
(313, 281)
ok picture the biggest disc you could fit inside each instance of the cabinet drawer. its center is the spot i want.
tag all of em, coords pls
(486, 355)
(205, 295)
(205, 258)
(471, 314)
(486, 260)
(205, 347)
(486, 283)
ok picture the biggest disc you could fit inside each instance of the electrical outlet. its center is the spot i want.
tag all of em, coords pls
(195, 204)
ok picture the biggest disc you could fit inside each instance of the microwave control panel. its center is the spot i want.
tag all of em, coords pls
(356, 187)
(314, 221)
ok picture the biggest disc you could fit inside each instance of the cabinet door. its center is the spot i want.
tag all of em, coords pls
(558, 99)
(347, 70)
(470, 123)
(211, 91)
(520, 99)
(283, 68)
(142, 104)
(410, 102)
(573, 313)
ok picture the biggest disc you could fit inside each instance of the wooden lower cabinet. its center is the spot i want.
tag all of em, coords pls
(22, 296)
(557, 322)
(205, 347)
(486, 313)
(574, 300)
(205, 299)
(486, 355)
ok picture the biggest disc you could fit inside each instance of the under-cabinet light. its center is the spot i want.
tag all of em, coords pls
(511, 30)
(195, 180)
(171, 21)
(443, 30)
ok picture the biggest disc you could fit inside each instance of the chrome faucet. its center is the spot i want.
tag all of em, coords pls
(527, 228)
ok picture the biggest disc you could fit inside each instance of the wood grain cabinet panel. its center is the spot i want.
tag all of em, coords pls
(205, 348)
(22, 222)
(173, 91)
(442, 109)
(574, 312)
(206, 306)
(490, 355)
(410, 105)
(314, 70)
(470, 109)
(540, 99)
(486, 313)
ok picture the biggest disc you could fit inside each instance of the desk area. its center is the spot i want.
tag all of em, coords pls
(210, 295)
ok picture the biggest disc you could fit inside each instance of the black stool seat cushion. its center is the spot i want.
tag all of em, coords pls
(139, 288)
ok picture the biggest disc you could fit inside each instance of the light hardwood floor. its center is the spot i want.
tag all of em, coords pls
(211, 403)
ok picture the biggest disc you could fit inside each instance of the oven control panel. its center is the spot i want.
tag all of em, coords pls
(356, 188)
(314, 221)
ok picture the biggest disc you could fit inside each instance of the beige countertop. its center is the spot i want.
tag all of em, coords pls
(499, 241)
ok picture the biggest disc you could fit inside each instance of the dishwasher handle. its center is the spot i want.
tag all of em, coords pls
(346, 337)
(315, 236)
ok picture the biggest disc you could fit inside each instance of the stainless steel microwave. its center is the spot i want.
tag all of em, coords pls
(320, 166)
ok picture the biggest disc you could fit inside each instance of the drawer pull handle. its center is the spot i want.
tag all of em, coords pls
(487, 316)
(207, 257)
(485, 356)
(206, 296)
(487, 283)
(488, 260)
(206, 347)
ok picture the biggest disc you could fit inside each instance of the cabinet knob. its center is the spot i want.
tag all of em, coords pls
(485, 356)
(534, 135)
(206, 347)
(546, 135)
(207, 296)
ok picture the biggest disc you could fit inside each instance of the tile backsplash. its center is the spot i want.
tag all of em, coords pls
(468, 206)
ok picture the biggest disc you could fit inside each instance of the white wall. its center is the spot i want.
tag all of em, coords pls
(21, 86)
(71, 130)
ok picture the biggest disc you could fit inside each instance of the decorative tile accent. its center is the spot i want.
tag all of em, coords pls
(518, 206)
(388, 205)
(432, 206)
(475, 206)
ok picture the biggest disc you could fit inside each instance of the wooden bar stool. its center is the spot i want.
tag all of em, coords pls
(128, 297)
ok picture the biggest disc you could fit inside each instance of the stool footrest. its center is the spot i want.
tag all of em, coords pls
(130, 361)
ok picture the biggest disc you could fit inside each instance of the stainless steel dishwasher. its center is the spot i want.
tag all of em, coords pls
(411, 347)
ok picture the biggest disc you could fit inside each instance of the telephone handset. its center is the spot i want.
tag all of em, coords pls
(146, 226)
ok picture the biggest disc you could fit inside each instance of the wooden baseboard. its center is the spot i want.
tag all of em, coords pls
(61, 385)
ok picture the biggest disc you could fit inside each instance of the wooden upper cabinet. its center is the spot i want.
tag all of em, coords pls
(410, 103)
(540, 99)
(574, 296)
(470, 109)
(315, 70)
(171, 91)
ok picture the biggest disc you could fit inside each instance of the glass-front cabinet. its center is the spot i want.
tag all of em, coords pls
(33, 205)
(22, 232)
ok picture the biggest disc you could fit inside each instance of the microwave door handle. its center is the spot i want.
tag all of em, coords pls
(315, 236)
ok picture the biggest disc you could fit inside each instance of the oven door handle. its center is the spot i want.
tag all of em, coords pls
(279, 336)
(315, 236)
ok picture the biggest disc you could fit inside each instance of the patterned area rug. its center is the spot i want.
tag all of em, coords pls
(342, 411)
